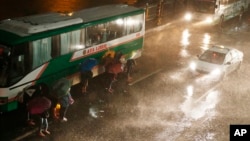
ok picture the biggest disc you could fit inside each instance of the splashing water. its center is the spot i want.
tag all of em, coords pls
(198, 109)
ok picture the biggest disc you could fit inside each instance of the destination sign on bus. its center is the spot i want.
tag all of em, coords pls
(95, 49)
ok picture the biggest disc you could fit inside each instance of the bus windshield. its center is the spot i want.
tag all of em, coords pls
(4, 64)
(12, 65)
(204, 6)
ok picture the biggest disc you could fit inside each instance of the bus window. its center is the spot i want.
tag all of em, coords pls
(115, 29)
(55, 46)
(41, 51)
(82, 38)
(70, 42)
(65, 43)
(75, 40)
(134, 24)
(93, 34)
(112, 30)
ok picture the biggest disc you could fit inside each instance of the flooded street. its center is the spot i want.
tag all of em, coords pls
(169, 105)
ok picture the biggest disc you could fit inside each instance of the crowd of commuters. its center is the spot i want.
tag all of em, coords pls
(114, 64)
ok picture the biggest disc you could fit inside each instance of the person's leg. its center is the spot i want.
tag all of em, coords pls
(84, 85)
(41, 128)
(129, 73)
(112, 80)
(46, 126)
(63, 112)
(29, 119)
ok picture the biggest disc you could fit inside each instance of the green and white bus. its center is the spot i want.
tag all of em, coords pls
(41, 49)
(211, 12)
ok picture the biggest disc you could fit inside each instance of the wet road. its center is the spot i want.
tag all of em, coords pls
(167, 105)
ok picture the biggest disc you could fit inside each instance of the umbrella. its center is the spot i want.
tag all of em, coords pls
(61, 87)
(115, 68)
(38, 105)
(88, 64)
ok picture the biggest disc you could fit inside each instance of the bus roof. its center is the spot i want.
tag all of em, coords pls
(17, 30)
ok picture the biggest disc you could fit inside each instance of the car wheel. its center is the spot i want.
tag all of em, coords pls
(238, 67)
(236, 71)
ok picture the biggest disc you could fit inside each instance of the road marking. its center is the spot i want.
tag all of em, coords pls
(26, 134)
(144, 77)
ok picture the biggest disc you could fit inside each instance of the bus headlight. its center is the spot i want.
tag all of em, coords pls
(188, 17)
(208, 20)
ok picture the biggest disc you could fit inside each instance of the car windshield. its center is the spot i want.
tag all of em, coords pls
(213, 57)
(204, 6)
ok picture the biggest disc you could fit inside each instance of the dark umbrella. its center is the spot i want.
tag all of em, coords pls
(115, 68)
(61, 87)
(88, 64)
(38, 105)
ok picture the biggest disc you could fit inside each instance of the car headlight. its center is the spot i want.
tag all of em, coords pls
(188, 17)
(192, 66)
(216, 72)
(209, 20)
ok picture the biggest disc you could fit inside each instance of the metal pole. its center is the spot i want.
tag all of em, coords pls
(146, 9)
(159, 12)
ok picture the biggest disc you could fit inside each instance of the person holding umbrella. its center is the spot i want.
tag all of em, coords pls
(40, 106)
(65, 101)
(86, 72)
(85, 76)
(62, 90)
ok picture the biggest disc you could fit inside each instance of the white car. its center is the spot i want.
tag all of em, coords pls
(217, 61)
